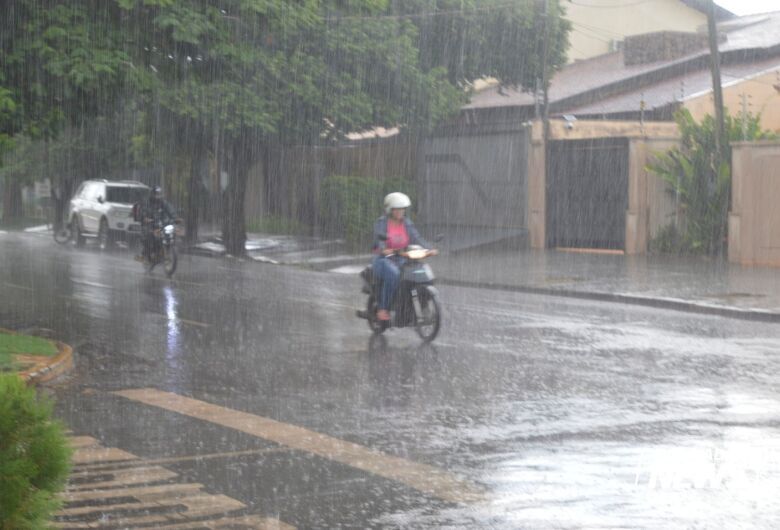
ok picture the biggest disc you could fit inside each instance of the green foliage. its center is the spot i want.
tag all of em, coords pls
(702, 182)
(58, 60)
(350, 205)
(471, 39)
(34, 457)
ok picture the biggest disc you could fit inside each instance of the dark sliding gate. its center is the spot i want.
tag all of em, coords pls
(587, 193)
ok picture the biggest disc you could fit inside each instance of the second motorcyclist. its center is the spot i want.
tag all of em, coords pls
(155, 212)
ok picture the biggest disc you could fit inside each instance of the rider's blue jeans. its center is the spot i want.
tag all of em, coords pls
(388, 270)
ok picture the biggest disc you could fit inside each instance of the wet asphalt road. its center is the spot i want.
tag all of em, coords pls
(559, 413)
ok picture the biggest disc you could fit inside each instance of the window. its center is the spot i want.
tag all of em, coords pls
(125, 195)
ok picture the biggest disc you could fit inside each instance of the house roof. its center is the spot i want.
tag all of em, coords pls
(673, 90)
(605, 84)
(703, 6)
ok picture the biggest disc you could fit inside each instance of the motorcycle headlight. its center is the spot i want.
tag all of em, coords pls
(168, 230)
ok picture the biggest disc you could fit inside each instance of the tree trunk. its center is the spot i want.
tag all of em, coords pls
(271, 165)
(195, 192)
(234, 223)
(12, 200)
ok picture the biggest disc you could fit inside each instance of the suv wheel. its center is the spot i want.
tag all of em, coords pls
(78, 236)
(105, 241)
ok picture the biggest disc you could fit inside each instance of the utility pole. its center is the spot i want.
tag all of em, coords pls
(720, 132)
(721, 141)
(744, 116)
(545, 83)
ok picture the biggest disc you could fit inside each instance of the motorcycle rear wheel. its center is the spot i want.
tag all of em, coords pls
(428, 323)
(62, 235)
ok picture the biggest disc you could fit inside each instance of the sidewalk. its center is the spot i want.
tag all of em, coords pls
(686, 283)
(282, 249)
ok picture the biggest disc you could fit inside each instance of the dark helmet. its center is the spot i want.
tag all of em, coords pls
(156, 193)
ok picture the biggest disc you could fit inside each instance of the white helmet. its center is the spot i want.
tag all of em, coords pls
(396, 200)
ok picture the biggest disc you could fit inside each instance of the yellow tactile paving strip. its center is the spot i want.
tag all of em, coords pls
(421, 477)
(111, 488)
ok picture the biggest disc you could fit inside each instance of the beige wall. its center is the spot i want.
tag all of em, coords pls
(761, 97)
(594, 28)
(650, 206)
(754, 220)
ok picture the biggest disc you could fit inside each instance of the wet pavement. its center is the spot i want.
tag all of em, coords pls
(256, 382)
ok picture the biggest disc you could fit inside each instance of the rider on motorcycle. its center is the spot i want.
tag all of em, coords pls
(155, 212)
(393, 232)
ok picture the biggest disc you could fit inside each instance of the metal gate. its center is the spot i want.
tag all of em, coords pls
(474, 184)
(587, 193)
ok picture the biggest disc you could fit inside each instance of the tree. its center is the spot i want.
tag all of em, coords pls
(248, 74)
(701, 181)
(261, 72)
(489, 38)
(60, 63)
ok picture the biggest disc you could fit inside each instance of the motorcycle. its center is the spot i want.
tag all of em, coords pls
(164, 247)
(416, 302)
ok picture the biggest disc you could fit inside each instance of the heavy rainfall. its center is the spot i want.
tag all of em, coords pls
(389, 264)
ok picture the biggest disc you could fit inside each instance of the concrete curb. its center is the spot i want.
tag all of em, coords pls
(51, 367)
(756, 315)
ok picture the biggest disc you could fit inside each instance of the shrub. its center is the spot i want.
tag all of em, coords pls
(701, 182)
(350, 205)
(669, 241)
(34, 457)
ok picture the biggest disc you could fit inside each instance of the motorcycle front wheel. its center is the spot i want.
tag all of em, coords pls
(429, 319)
(170, 259)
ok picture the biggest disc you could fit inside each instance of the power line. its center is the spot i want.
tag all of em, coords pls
(597, 29)
(592, 34)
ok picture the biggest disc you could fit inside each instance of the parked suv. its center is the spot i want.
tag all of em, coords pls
(103, 209)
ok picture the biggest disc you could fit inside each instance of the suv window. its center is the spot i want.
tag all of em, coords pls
(93, 191)
(125, 195)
